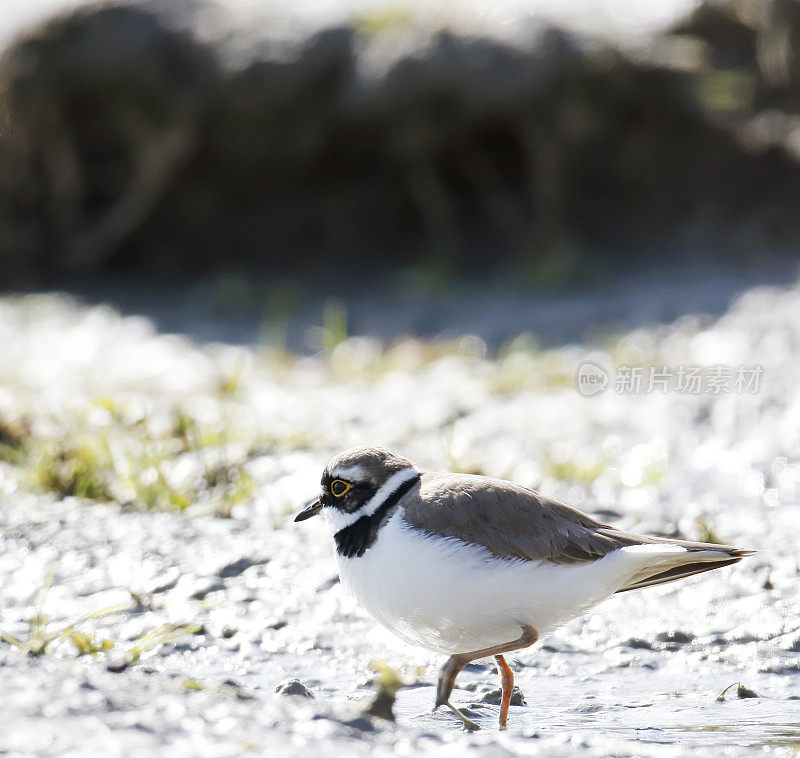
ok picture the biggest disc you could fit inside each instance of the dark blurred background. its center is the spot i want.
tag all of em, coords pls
(153, 143)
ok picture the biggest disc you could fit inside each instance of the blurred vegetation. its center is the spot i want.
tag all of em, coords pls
(154, 452)
(706, 533)
(128, 145)
(42, 638)
(138, 461)
(387, 684)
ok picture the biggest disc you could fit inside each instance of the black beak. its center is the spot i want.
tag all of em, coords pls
(311, 509)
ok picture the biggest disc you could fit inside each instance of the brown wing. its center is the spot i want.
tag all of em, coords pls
(515, 522)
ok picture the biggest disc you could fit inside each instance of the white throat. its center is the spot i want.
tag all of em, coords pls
(338, 520)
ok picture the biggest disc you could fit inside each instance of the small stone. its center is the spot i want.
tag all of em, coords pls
(493, 697)
(239, 567)
(168, 583)
(117, 664)
(638, 644)
(294, 687)
(360, 723)
(207, 589)
(676, 637)
(328, 583)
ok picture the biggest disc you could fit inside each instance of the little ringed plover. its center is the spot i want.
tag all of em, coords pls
(473, 567)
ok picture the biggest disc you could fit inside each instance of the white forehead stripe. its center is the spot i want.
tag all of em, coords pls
(339, 520)
(353, 473)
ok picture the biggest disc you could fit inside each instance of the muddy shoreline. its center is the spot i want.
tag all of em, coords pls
(219, 612)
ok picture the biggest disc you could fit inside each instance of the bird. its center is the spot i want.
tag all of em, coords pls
(471, 566)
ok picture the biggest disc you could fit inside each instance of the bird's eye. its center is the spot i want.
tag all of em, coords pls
(339, 487)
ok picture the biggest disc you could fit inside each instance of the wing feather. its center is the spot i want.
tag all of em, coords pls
(514, 522)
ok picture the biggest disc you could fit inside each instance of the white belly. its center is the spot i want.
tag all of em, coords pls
(452, 597)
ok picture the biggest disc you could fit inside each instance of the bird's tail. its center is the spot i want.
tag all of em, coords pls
(668, 560)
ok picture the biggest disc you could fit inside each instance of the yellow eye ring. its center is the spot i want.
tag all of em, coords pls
(339, 487)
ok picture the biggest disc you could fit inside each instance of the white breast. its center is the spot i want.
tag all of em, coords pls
(454, 597)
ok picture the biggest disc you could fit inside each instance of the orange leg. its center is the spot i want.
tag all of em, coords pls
(507, 676)
(451, 669)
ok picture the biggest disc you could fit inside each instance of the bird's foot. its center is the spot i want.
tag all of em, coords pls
(467, 723)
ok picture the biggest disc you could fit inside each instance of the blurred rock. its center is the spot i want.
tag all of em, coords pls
(638, 644)
(133, 139)
(745, 692)
(494, 697)
(677, 637)
(239, 566)
(103, 108)
(294, 687)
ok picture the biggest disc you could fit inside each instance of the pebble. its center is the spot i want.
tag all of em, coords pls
(294, 687)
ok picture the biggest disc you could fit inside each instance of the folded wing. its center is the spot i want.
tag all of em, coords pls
(513, 522)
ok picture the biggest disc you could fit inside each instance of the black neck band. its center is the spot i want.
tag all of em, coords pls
(354, 540)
